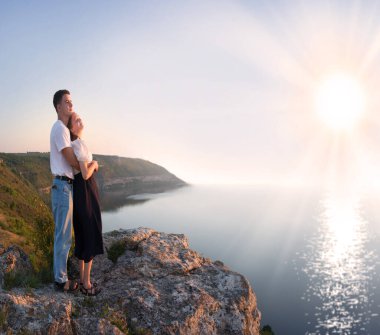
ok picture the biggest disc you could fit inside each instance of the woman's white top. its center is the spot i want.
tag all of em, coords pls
(81, 152)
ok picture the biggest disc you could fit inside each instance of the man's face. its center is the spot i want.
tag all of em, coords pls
(65, 107)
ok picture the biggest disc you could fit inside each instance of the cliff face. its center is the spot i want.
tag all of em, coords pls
(157, 285)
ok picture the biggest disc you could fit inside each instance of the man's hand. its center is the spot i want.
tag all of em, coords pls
(69, 155)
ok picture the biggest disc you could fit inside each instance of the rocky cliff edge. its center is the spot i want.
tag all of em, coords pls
(157, 285)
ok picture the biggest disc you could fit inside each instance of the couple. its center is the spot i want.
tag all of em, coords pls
(75, 198)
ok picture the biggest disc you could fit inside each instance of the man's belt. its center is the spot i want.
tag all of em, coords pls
(69, 180)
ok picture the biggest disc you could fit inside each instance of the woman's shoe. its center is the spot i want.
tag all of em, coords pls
(92, 291)
(92, 284)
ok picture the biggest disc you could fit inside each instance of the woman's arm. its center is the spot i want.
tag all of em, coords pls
(87, 169)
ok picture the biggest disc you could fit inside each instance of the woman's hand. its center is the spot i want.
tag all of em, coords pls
(96, 165)
(87, 169)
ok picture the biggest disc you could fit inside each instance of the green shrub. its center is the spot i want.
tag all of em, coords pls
(43, 240)
(267, 330)
(116, 250)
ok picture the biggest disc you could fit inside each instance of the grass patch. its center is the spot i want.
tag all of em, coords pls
(43, 240)
(116, 250)
(21, 279)
(120, 322)
(19, 226)
(75, 311)
(25, 332)
(139, 331)
(89, 302)
(28, 280)
(4, 317)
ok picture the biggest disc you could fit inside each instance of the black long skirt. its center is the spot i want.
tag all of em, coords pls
(87, 220)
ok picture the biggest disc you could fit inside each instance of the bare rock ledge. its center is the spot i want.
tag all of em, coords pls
(157, 286)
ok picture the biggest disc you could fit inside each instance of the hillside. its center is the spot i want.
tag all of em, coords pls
(133, 175)
(25, 180)
(25, 219)
(118, 177)
(33, 168)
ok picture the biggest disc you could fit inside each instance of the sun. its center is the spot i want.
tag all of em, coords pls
(340, 101)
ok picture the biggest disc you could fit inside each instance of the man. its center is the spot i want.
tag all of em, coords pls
(62, 161)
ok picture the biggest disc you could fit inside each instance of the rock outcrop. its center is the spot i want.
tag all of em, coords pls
(12, 260)
(157, 285)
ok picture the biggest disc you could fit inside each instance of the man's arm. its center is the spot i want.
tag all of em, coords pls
(69, 155)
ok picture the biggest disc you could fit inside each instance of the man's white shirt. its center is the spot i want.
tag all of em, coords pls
(59, 139)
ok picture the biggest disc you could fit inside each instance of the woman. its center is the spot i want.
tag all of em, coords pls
(87, 219)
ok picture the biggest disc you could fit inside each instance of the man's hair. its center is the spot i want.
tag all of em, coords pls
(58, 97)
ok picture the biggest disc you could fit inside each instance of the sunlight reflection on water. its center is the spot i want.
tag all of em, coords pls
(340, 269)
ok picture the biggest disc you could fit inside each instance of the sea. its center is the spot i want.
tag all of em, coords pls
(312, 256)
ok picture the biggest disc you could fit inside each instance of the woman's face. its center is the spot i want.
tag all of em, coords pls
(76, 124)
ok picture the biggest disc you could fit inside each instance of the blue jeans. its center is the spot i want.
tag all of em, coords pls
(62, 205)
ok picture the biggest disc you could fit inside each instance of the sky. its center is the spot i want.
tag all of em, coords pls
(214, 91)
